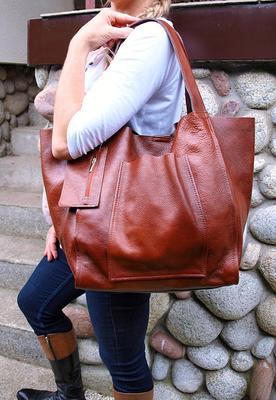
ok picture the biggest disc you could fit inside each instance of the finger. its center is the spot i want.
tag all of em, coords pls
(49, 256)
(117, 17)
(120, 33)
(53, 249)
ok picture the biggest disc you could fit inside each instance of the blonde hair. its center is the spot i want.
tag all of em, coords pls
(158, 8)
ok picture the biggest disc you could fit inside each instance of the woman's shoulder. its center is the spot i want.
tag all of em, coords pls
(151, 31)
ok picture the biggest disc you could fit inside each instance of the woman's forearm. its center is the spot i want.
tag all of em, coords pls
(69, 96)
(107, 27)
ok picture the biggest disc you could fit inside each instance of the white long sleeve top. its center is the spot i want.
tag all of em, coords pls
(142, 88)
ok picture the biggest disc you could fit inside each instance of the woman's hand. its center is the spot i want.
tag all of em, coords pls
(51, 245)
(105, 29)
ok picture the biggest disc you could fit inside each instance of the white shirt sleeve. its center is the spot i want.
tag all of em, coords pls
(134, 75)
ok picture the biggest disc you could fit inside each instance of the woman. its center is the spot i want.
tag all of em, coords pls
(142, 87)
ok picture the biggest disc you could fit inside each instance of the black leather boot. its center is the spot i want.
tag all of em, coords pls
(62, 352)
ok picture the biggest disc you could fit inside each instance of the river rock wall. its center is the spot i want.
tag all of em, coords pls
(17, 92)
(219, 343)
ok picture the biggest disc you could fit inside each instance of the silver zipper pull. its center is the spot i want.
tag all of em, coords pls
(93, 162)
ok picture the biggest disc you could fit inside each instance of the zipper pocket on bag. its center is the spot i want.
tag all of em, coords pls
(90, 176)
(95, 172)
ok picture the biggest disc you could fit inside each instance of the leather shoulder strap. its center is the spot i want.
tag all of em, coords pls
(194, 96)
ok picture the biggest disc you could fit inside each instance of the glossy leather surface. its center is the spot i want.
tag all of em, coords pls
(156, 213)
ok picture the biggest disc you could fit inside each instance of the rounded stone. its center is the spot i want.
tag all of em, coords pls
(80, 320)
(266, 315)
(242, 361)
(264, 347)
(263, 225)
(41, 76)
(2, 112)
(272, 147)
(89, 352)
(226, 384)
(200, 73)
(3, 73)
(82, 300)
(165, 391)
(256, 196)
(17, 103)
(241, 334)
(267, 181)
(261, 381)
(54, 74)
(159, 305)
(259, 163)
(263, 128)
(230, 108)
(160, 367)
(235, 301)
(167, 345)
(250, 256)
(186, 377)
(192, 324)
(7, 116)
(183, 295)
(2, 90)
(221, 82)
(257, 89)
(202, 395)
(23, 119)
(21, 83)
(9, 86)
(209, 98)
(13, 121)
(273, 114)
(267, 267)
(6, 132)
(33, 91)
(210, 357)
(45, 101)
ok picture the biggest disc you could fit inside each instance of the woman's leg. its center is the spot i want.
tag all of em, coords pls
(120, 322)
(49, 289)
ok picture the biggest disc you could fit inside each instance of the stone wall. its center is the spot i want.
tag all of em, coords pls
(214, 344)
(17, 92)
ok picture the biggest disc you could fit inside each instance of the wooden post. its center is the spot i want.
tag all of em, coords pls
(89, 4)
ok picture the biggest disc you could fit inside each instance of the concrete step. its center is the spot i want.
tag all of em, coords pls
(17, 341)
(16, 375)
(24, 140)
(20, 214)
(21, 172)
(18, 258)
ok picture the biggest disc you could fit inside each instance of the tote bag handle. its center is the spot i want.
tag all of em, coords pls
(194, 95)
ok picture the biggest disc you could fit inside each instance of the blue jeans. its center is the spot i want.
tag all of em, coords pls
(119, 320)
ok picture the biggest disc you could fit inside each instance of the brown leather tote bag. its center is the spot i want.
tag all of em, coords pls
(154, 214)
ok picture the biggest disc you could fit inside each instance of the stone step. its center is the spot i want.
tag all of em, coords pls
(18, 258)
(20, 214)
(21, 172)
(17, 341)
(16, 375)
(24, 140)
